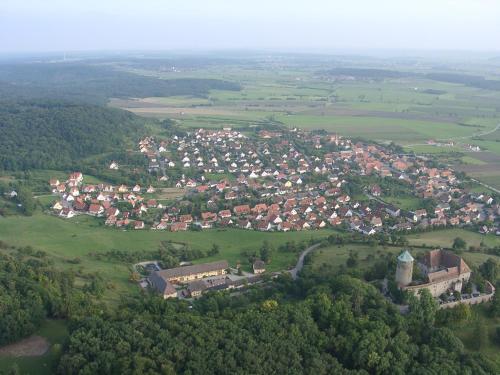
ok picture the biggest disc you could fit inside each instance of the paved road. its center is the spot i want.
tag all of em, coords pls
(300, 263)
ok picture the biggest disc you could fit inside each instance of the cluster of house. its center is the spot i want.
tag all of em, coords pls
(444, 272)
(282, 181)
(101, 200)
(192, 281)
(295, 180)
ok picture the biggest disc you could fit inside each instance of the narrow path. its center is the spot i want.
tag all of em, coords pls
(486, 185)
(300, 262)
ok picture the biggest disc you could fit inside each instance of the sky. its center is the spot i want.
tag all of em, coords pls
(287, 25)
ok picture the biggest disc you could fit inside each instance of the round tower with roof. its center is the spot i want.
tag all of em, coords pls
(404, 270)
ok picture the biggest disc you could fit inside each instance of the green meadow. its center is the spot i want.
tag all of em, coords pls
(444, 238)
(66, 240)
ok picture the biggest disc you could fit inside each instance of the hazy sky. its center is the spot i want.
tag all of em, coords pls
(70, 25)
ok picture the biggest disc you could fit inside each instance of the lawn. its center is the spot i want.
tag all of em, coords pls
(405, 202)
(55, 331)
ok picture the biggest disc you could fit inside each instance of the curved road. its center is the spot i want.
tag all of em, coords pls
(300, 262)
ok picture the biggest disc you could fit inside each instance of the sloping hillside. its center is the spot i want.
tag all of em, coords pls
(54, 134)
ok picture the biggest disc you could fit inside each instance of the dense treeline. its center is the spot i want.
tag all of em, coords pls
(81, 82)
(32, 290)
(466, 79)
(53, 135)
(320, 325)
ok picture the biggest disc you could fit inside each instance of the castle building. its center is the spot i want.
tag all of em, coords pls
(443, 270)
(187, 274)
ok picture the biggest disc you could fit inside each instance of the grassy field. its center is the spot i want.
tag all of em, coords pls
(367, 255)
(336, 256)
(444, 238)
(55, 332)
(409, 203)
(473, 161)
(66, 240)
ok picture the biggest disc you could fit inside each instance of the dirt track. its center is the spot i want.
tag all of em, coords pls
(33, 346)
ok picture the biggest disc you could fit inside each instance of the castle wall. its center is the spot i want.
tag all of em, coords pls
(438, 288)
(470, 301)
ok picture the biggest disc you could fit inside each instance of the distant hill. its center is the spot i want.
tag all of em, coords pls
(84, 82)
(36, 134)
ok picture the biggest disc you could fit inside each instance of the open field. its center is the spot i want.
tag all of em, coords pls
(337, 256)
(66, 240)
(485, 165)
(405, 110)
(169, 193)
(444, 238)
(469, 160)
(54, 332)
(408, 202)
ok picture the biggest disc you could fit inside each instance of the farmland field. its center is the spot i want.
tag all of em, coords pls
(410, 111)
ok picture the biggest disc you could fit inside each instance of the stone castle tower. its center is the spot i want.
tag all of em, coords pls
(404, 270)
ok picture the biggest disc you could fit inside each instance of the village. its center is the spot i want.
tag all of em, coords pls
(280, 181)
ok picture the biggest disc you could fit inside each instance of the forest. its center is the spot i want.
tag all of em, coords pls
(93, 83)
(320, 325)
(52, 135)
(31, 290)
